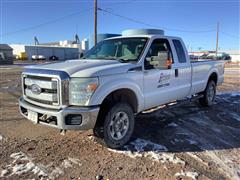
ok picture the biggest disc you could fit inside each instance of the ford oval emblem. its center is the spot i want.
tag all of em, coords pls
(36, 89)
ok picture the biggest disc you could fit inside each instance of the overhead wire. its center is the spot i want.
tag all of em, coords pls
(116, 15)
(229, 35)
(58, 19)
(153, 26)
(46, 23)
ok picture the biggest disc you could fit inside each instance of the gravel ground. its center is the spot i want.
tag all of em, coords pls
(184, 141)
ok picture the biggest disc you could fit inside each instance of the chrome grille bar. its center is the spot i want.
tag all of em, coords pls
(53, 87)
(43, 96)
(42, 83)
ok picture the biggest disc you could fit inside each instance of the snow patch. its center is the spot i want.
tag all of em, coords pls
(227, 163)
(192, 142)
(148, 149)
(3, 173)
(236, 116)
(26, 165)
(23, 163)
(230, 93)
(172, 125)
(1, 137)
(192, 175)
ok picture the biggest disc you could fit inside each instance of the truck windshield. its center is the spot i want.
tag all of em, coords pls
(121, 49)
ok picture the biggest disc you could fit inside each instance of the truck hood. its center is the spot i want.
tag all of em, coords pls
(86, 67)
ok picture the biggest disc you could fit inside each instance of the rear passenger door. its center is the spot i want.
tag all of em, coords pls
(182, 69)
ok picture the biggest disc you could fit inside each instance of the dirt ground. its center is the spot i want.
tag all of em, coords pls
(182, 142)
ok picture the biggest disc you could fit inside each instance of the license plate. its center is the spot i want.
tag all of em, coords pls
(33, 116)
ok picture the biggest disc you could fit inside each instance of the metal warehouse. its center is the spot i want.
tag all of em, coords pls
(63, 53)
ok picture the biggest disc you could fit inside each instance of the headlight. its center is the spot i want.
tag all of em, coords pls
(81, 90)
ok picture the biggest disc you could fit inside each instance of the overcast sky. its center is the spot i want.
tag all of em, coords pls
(53, 20)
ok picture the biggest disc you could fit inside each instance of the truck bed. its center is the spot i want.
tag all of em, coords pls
(201, 70)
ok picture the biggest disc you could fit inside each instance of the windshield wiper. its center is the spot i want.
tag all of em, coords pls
(120, 60)
(126, 60)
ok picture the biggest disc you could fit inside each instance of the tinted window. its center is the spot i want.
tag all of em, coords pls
(180, 51)
(126, 49)
(158, 45)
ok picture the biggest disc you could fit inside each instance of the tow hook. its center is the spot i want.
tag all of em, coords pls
(63, 131)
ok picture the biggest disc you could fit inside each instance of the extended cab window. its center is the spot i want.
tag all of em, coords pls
(159, 55)
(180, 51)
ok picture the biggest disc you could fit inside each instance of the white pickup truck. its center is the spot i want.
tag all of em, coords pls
(115, 80)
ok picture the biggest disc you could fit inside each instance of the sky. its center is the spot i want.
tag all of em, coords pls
(195, 21)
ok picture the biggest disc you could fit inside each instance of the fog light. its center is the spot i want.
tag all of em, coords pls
(73, 119)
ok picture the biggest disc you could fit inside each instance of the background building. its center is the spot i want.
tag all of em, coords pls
(6, 54)
(62, 53)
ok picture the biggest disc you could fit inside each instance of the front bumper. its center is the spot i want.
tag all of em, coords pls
(58, 118)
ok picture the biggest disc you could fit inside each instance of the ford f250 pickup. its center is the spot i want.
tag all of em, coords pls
(115, 80)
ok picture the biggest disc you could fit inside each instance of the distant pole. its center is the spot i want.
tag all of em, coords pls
(217, 39)
(95, 22)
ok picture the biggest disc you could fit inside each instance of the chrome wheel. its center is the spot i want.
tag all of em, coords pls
(211, 93)
(119, 125)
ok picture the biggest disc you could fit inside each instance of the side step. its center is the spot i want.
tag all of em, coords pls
(174, 103)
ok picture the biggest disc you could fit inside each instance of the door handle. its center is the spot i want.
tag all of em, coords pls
(176, 72)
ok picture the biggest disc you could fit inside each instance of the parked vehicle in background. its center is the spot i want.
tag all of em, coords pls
(22, 56)
(193, 57)
(53, 58)
(220, 56)
(115, 80)
(38, 57)
(204, 56)
(224, 56)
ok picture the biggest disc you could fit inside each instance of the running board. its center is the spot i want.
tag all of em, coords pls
(174, 103)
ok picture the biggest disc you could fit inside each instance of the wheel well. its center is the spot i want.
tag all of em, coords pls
(120, 95)
(213, 77)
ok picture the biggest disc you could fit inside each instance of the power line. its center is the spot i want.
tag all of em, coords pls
(46, 23)
(229, 35)
(59, 19)
(123, 1)
(154, 26)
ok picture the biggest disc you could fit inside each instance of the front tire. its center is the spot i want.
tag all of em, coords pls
(118, 125)
(209, 94)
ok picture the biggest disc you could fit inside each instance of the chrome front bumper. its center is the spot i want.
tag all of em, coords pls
(57, 118)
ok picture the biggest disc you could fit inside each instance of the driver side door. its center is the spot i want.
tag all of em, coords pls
(159, 76)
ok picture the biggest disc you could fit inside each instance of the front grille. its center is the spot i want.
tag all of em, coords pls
(43, 90)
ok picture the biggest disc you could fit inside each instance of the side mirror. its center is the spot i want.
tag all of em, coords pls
(149, 59)
(161, 61)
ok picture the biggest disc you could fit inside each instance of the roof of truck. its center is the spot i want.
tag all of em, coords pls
(144, 36)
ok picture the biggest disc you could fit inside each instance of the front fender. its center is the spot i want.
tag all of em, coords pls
(110, 86)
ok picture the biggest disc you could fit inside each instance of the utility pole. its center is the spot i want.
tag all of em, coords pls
(95, 22)
(217, 39)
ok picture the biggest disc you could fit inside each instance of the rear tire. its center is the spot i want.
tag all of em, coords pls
(118, 125)
(208, 94)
